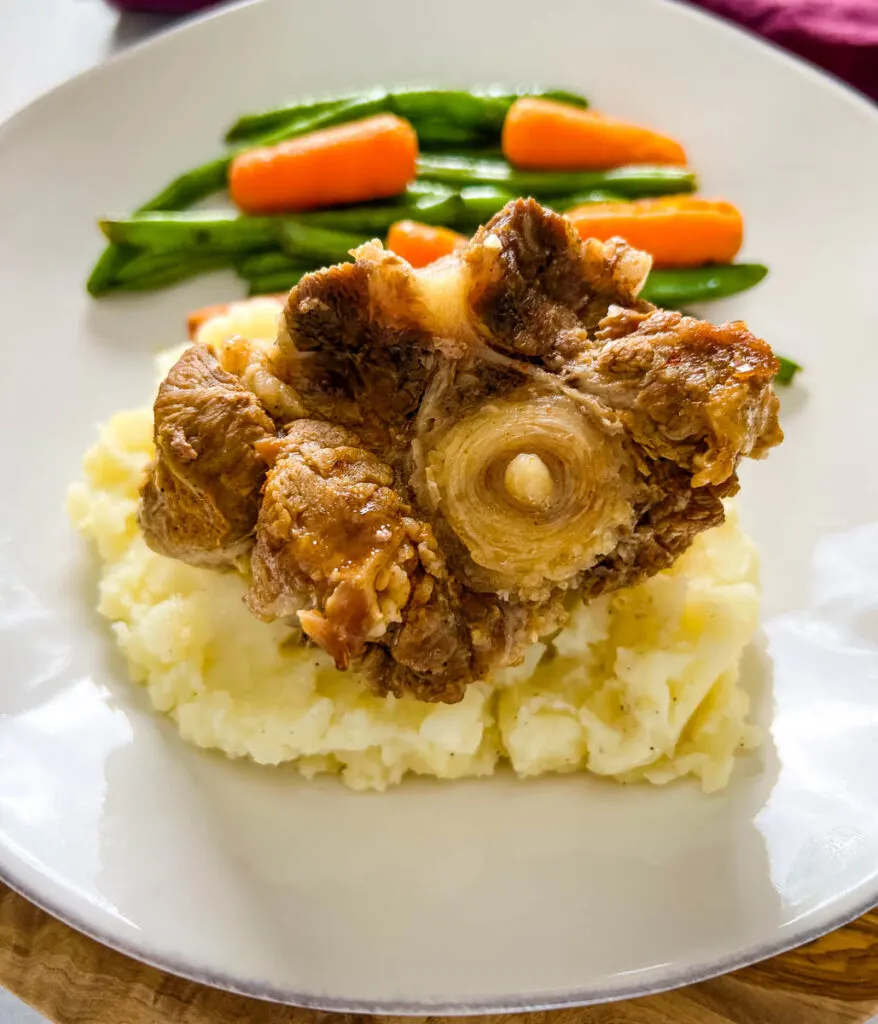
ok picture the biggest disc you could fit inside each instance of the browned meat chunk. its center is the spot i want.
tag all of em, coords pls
(335, 546)
(687, 391)
(356, 348)
(201, 497)
(534, 289)
(483, 436)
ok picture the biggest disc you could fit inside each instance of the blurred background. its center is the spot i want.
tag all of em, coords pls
(838, 35)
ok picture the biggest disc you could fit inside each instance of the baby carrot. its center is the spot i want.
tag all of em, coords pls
(421, 244)
(543, 134)
(678, 231)
(349, 163)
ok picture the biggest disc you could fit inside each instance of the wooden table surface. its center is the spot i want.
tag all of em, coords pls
(74, 980)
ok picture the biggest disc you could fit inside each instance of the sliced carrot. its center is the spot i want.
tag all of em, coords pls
(198, 317)
(349, 163)
(678, 231)
(421, 244)
(546, 135)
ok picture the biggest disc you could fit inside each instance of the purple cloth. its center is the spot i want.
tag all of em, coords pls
(838, 35)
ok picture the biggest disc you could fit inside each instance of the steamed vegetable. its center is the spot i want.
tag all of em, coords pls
(202, 181)
(440, 116)
(193, 232)
(351, 163)
(676, 288)
(320, 177)
(433, 206)
(421, 244)
(272, 284)
(542, 134)
(275, 261)
(788, 370)
(594, 195)
(172, 271)
(320, 246)
(678, 231)
(633, 181)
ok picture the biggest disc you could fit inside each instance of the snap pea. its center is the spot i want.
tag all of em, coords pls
(634, 180)
(677, 288)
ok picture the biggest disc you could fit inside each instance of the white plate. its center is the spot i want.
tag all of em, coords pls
(441, 897)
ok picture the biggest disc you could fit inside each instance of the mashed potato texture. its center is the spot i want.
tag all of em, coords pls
(639, 685)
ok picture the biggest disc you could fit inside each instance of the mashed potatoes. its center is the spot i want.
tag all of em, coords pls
(639, 685)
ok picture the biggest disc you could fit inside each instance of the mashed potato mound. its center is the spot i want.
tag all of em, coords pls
(639, 685)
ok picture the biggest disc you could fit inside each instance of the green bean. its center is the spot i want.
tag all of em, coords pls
(635, 180)
(202, 181)
(484, 110)
(676, 288)
(170, 273)
(341, 113)
(449, 117)
(375, 218)
(272, 284)
(788, 370)
(250, 125)
(419, 188)
(453, 118)
(106, 271)
(440, 116)
(574, 99)
(264, 264)
(596, 195)
(479, 204)
(306, 242)
(146, 264)
(191, 186)
(432, 209)
(436, 135)
(196, 232)
(183, 191)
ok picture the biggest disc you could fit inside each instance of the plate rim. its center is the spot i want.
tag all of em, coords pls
(669, 980)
